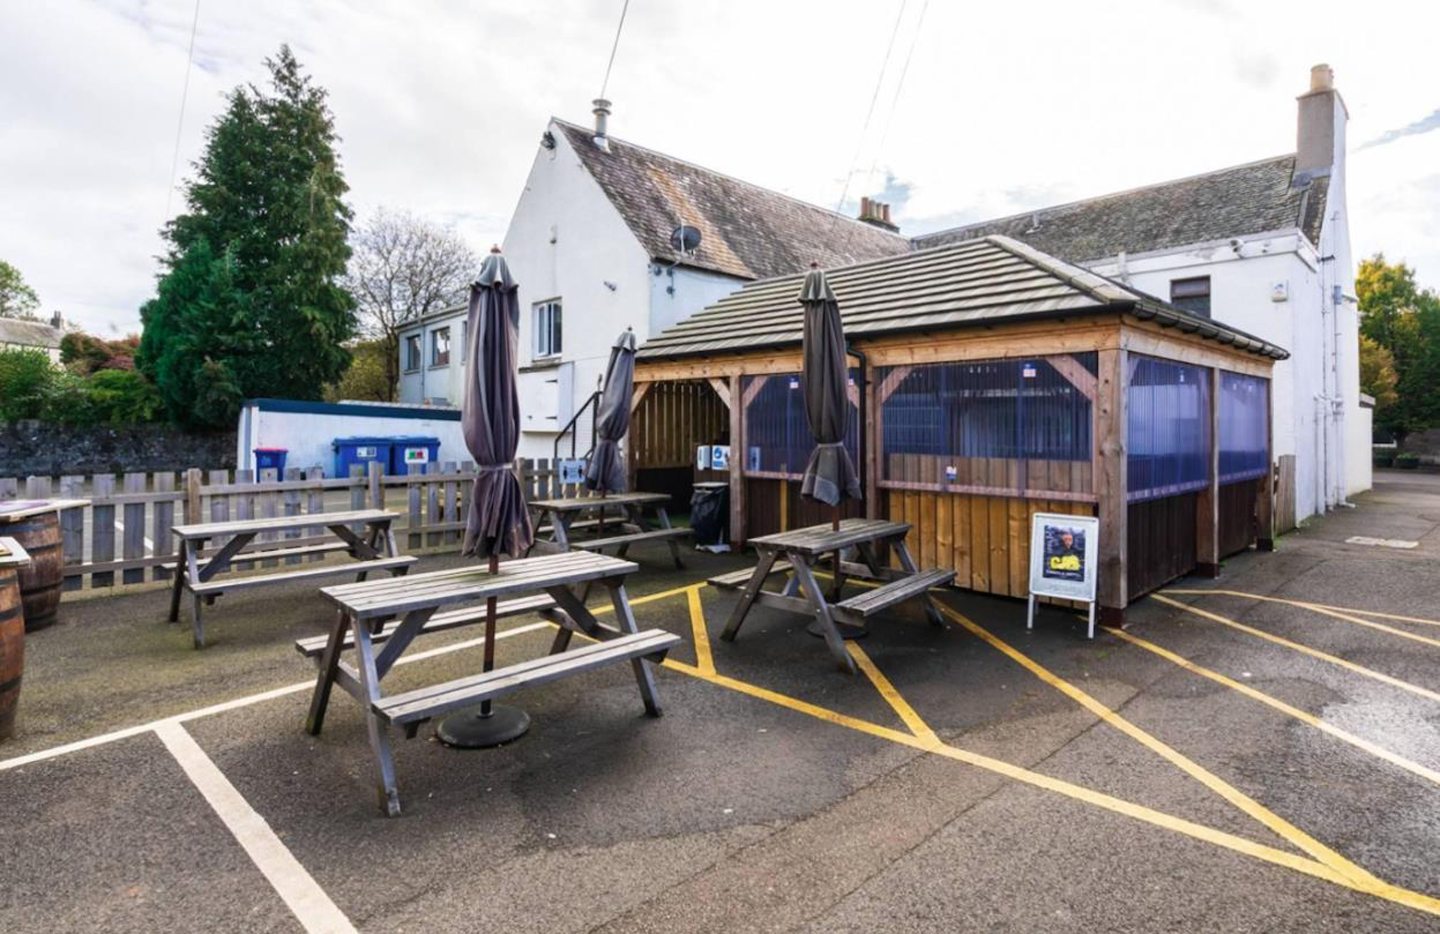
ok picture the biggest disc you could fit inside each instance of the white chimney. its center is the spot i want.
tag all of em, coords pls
(1320, 138)
(602, 121)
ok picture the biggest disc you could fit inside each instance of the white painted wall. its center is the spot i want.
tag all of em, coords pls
(677, 292)
(308, 435)
(417, 387)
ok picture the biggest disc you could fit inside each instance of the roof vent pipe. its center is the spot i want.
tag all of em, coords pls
(602, 123)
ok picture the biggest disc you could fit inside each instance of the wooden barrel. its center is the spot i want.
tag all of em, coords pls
(12, 649)
(39, 583)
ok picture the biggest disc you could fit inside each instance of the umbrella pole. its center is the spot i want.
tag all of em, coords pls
(489, 724)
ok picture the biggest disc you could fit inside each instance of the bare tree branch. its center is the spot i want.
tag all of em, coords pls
(403, 268)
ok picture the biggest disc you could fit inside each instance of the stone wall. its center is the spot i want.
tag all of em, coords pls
(31, 448)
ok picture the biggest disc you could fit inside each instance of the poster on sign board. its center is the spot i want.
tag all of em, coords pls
(1064, 561)
(1064, 556)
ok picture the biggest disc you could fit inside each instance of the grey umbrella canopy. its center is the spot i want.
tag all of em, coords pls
(605, 473)
(830, 476)
(498, 522)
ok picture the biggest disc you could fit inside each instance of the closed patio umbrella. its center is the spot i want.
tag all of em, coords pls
(605, 473)
(498, 521)
(830, 476)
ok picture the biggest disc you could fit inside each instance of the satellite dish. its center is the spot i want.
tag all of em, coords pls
(685, 239)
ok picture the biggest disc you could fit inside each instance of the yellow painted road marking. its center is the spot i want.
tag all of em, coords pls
(1305, 649)
(1363, 883)
(704, 660)
(1324, 610)
(1312, 606)
(1344, 736)
(908, 716)
(1277, 824)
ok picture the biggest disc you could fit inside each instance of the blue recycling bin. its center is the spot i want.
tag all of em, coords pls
(407, 450)
(270, 459)
(360, 450)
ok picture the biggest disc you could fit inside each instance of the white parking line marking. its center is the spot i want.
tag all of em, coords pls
(238, 702)
(296, 887)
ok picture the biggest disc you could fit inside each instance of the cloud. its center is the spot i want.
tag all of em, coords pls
(1424, 125)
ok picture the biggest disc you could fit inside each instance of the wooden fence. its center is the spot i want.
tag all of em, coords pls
(122, 536)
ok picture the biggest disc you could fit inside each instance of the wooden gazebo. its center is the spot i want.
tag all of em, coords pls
(994, 382)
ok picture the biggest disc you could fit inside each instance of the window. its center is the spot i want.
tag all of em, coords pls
(412, 352)
(440, 347)
(1193, 295)
(1244, 427)
(547, 329)
(1168, 428)
(1005, 425)
(777, 432)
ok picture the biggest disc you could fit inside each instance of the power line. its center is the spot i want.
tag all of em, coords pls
(879, 80)
(180, 121)
(899, 86)
(615, 45)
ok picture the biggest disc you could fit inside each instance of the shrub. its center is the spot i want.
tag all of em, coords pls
(123, 397)
(66, 400)
(25, 376)
(1384, 458)
(1407, 461)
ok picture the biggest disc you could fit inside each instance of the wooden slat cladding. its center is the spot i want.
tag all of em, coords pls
(985, 540)
(1160, 542)
(1237, 516)
(672, 419)
(773, 505)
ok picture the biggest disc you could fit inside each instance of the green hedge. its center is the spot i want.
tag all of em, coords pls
(33, 387)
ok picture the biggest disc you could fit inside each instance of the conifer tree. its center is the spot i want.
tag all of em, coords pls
(250, 300)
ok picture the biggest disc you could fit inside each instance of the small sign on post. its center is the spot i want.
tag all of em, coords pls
(1064, 561)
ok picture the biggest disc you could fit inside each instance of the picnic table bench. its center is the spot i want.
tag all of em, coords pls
(798, 551)
(373, 549)
(365, 621)
(560, 517)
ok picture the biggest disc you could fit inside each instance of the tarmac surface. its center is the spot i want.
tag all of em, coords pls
(1259, 752)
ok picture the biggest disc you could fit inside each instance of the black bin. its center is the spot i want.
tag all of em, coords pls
(710, 514)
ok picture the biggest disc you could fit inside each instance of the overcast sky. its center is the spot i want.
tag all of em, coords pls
(1005, 107)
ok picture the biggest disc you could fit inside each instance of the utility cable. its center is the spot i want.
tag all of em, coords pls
(879, 81)
(613, 47)
(899, 86)
(180, 121)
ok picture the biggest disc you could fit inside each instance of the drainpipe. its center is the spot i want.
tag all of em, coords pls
(861, 385)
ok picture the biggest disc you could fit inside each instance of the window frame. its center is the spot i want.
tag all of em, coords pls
(414, 353)
(547, 319)
(435, 352)
(1187, 290)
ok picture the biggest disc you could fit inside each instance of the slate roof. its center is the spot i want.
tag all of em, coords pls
(1234, 202)
(746, 231)
(979, 282)
(28, 333)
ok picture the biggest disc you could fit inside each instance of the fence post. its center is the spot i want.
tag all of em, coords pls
(416, 517)
(377, 488)
(192, 496)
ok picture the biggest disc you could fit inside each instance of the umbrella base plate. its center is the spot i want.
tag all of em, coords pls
(469, 729)
(847, 630)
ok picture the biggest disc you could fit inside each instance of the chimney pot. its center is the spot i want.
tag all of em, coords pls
(1322, 78)
(602, 123)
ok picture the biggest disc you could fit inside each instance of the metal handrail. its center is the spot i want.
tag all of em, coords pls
(593, 405)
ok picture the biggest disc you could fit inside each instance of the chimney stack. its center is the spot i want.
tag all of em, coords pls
(1320, 136)
(57, 321)
(876, 214)
(602, 123)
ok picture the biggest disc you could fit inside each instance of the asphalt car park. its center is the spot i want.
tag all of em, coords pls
(1259, 752)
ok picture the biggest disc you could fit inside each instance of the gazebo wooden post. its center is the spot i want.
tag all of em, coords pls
(1265, 489)
(1207, 503)
(737, 465)
(1112, 484)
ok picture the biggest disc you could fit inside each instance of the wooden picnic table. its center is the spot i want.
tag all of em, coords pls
(798, 551)
(539, 584)
(562, 517)
(373, 549)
